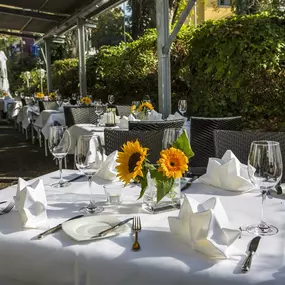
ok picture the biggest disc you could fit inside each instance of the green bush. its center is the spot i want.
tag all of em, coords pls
(236, 67)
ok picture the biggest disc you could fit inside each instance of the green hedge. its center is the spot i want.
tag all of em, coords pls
(236, 67)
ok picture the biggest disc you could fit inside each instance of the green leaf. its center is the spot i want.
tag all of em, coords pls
(143, 182)
(183, 144)
(163, 184)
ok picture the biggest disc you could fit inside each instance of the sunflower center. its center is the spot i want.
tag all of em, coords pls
(134, 158)
(172, 164)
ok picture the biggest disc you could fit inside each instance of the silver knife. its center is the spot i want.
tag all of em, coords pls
(103, 233)
(253, 245)
(56, 228)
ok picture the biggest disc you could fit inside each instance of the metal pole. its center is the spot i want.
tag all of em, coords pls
(164, 74)
(48, 65)
(82, 58)
(195, 15)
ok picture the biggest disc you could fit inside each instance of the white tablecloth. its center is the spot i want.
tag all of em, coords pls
(26, 114)
(163, 259)
(46, 119)
(84, 129)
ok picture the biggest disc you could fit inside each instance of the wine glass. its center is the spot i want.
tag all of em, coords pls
(111, 99)
(59, 142)
(182, 106)
(265, 171)
(99, 109)
(88, 159)
(146, 98)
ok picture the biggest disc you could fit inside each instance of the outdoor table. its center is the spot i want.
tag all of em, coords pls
(26, 114)
(84, 129)
(16, 108)
(4, 104)
(164, 258)
(46, 119)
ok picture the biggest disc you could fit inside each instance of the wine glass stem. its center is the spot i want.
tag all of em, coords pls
(92, 202)
(60, 171)
(263, 197)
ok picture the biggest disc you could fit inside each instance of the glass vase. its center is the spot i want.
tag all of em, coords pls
(143, 116)
(171, 201)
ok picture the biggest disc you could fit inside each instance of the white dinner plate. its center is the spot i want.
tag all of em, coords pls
(83, 229)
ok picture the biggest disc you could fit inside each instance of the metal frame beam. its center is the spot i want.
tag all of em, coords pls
(164, 41)
(19, 34)
(96, 7)
(82, 57)
(39, 15)
(48, 65)
(178, 26)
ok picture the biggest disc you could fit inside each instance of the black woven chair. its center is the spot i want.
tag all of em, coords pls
(156, 125)
(239, 143)
(123, 110)
(115, 138)
(79, 115)
(48, 105)
(202, 139)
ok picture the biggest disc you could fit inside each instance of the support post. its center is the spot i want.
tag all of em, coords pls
(164, 74)
(48, 65)
(82, 58)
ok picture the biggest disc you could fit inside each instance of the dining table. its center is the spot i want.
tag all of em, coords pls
(164, 258)
(27, 114)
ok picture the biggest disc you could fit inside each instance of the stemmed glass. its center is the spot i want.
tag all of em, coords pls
(137, 104)
(59, 142)
(265, 171)
(99, 109)
(88, 159)
(146, 98)
(182, 106)
(170, 136)
(111, 99)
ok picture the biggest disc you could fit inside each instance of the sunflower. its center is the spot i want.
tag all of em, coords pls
(130, 161)
(145, 105)
(173, 163)
(133, 107)
(52, 96)
(85, 100)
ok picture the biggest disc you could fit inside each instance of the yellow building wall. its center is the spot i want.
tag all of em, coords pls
(208, 10)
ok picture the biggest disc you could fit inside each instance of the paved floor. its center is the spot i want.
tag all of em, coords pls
(20, 158)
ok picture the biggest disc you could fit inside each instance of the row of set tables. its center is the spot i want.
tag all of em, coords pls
(164, 258)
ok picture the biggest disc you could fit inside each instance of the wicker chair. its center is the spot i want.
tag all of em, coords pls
(123, 110)
(202, 139)
(239, 143)
(156, 125)
(48, 106)
(79, 115)
(115, 138)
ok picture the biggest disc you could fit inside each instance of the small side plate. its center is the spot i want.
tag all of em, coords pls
(84, 228)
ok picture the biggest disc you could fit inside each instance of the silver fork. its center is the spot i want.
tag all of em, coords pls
(8, 208)
(136, 227)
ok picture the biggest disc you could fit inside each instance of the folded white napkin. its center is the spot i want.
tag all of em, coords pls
(227, 173)
(124, 121)
(174, 117)
(154, 116)
(107, 170)
(205, 227)
(31, 203)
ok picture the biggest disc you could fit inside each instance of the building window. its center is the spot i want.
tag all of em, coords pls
(224, 2)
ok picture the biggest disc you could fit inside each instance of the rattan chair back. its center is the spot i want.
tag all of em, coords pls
(156, 125)
(123, 110)
(52, 105)
(239, 143)
(202, 138)
(79, 115)
(115, 138)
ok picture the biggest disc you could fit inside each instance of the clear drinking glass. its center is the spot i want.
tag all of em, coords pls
(59, 142)
(265, 171)
(146, 98)
(182, 106)
(99, 109)
(111, 99)
(88, 159)
(170, 136)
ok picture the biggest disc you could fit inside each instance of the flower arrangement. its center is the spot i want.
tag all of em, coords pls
(172, 164)
(39, 95)
(145, 106)
(85, 100)
(52, 96)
